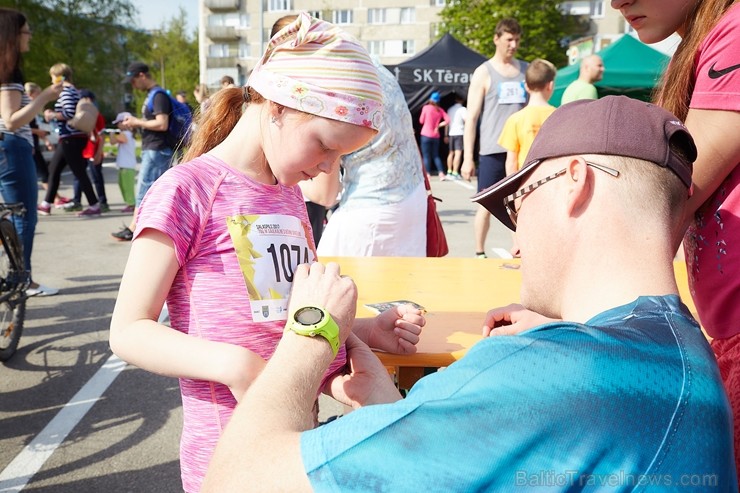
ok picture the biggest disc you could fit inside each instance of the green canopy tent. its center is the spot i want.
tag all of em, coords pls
(631, 68)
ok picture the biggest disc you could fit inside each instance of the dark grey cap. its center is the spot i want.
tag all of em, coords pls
(134, 69)
(613, 125)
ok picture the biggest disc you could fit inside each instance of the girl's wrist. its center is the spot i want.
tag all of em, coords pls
(238, 366)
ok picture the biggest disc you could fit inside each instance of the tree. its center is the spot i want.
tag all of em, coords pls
(172, 56)
(473, 22)
(91, 36)
(97, 39)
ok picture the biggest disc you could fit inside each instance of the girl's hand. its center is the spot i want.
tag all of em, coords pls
(51, 93)
(397, 330)
(241, 367)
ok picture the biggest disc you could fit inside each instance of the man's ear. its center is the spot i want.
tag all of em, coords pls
(580, 185)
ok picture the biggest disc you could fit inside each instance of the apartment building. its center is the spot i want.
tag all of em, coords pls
(233, 33)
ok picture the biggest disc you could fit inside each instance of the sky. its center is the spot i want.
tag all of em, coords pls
(153, 13)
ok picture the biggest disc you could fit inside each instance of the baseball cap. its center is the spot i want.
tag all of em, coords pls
(121, 116)
(134, 69)
(435, 97)
(613, 125)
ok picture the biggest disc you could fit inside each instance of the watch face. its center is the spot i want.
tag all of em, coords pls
(309, 315)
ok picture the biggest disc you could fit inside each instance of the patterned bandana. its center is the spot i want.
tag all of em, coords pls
(315, 67)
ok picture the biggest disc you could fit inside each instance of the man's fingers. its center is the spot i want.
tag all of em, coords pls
(506, 330)
(301, 272)
(316, 268)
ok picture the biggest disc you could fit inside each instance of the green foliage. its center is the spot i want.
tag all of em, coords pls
(172, 56)
(473, 23)
(98, 39)
(87, 35)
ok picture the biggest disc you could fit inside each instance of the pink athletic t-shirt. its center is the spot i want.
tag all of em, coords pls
(712, 243)
(238, 243)
(430, 118)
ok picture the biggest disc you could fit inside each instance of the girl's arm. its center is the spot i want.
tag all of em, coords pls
(718, 145)
(14, 116)
(137, 338)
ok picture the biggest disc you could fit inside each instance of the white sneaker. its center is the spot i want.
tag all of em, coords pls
(41, 290)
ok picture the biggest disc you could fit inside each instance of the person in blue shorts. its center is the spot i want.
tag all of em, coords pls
(602, 381)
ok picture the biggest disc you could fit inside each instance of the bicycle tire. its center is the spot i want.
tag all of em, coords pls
(12, 246)
(13, 305)
(12, 316)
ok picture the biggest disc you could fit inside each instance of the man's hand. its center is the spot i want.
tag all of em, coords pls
(367, 381)
(322, 286)
(130, 123)
(511, 320)
(467, 170)
(397, 330)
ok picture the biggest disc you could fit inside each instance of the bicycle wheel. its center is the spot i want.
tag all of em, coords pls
(12, 247)
(13, 280)
(12, 314)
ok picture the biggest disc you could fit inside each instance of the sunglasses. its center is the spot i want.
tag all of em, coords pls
(510, 201)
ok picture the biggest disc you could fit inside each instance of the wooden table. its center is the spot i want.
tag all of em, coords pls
(456, 292)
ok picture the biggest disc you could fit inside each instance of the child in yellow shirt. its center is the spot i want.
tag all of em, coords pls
(521, 127)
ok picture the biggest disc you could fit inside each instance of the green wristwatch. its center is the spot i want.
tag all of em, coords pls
(312, 321)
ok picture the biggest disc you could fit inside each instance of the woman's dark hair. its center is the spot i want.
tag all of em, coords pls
(11, 22)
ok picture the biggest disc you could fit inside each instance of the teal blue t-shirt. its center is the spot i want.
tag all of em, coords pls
(631, 399)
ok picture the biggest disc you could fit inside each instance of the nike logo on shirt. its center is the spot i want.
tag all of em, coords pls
(716, 74)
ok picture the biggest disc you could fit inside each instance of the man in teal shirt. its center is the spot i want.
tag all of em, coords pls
(604, 382)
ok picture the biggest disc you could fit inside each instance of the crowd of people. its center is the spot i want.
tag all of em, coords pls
(600, 371)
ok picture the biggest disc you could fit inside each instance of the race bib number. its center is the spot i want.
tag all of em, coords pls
(512, 93)
(269, 247)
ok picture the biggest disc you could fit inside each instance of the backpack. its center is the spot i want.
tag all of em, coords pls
(180, 119)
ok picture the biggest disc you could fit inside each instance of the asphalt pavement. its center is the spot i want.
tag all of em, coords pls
(74, 418)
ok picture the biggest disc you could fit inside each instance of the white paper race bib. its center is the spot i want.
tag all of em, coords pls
(269, 247)
(512, 93)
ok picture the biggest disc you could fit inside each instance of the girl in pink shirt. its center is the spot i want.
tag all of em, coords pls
(702, 87)
(220, 236)
(432, 117)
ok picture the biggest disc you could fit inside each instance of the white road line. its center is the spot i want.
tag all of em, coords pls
(501, 253)
(464, 184)
(19, 472)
